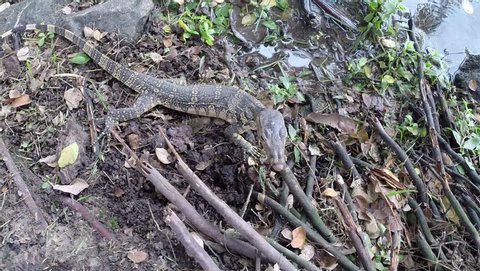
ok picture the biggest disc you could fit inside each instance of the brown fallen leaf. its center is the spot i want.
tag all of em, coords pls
(75, 188)
(50, 160)
(472, 85)
(330, 192)
(299, 237)
(133, 141)
(156, 57)
(344, 124)
(73, 97)
(20, 101)
(137, 256)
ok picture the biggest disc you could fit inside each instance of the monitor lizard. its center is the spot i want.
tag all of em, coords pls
(241, 110)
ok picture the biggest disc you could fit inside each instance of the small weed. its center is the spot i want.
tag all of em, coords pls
(113, 223)
(41, 37)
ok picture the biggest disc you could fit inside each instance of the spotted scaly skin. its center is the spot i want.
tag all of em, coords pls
(231, 104)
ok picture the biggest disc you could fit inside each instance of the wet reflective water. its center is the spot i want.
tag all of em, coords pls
(450, 25)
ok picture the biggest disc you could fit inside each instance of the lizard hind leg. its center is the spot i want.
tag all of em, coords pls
(144, 103)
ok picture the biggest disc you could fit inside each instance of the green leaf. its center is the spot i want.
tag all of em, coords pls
(270, 24)
(292, 133)
(457, 137)
(68, 155)
(80, 59)
(296, 154)
(282, 4)
(249, 19)
(223, 10)
(472, 143)
(387, 78)
(46, 185)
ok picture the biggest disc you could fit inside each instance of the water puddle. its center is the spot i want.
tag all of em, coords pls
(294, 58)
(451, 26)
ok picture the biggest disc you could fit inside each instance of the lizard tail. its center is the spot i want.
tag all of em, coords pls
(114, 68)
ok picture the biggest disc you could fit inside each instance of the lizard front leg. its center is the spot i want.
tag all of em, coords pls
(234, 133)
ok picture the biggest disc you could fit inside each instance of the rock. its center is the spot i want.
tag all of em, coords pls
(127, 18)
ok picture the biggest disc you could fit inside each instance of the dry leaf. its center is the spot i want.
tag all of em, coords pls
(14, 93)
(259, 207)
(308, 252)
(290, 201)
(66, 10)
(344, 124)
(156, 57)
(167, 42)
(202, 165)
(163, 155)
(180, 2)
(137, 256)
(473, 85)
(299, 237)
(73, 97)
(23, 54)
(133, 141)
(50, 160)
(75, 188)
(20, 101)
(330, 192)
(118, 192)
(287, 234)
(97, 35)
(88, 32)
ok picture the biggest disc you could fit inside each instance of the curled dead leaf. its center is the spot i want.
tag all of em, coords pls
(330, 192)
(133, 141)
(344, 124)
(50, 160)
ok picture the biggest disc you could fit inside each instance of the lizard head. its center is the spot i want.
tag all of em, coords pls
(273, 134)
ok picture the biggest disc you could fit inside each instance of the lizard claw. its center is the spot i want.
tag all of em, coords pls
(256, 152)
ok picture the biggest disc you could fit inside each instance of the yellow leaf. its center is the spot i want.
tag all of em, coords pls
(248, 19)
(68, 155)
(268, 3)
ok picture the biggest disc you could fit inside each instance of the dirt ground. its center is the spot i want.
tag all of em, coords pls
(55, 114)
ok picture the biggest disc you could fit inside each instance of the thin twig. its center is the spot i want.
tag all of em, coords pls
(22, 187)
(308, 207)
(403, 157)
(87, 215)
(292, 256)
(190, 245)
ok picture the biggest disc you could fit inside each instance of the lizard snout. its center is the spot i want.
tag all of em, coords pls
(273, 135)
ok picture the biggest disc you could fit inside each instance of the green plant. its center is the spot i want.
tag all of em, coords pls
(409, 127)
(201, 25)
(259, 13)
